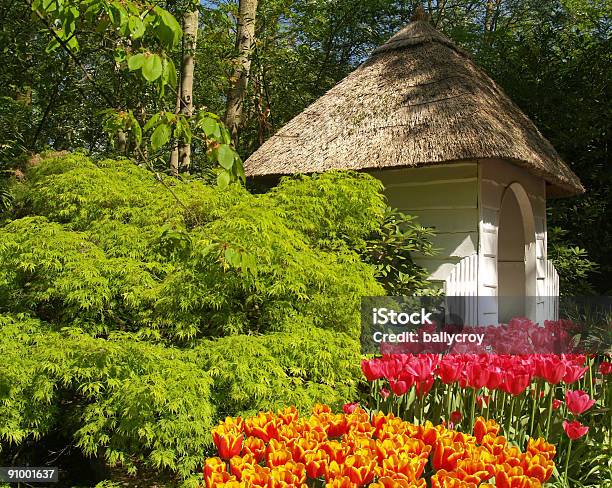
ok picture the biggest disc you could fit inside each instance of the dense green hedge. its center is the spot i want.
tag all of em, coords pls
(107, 247)
(135, 311)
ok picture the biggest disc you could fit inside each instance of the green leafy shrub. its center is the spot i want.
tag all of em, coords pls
(572, 263)
(106, 247)
(390, 249)
(133, 401)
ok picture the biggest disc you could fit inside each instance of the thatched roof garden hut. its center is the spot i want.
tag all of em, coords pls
(451, 148)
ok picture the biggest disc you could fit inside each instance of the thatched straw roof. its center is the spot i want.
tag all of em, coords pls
(418, 100)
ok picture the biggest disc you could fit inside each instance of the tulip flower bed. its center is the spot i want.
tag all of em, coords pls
(559, 397)
(357, 448)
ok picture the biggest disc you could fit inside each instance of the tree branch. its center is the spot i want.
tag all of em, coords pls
(62, 43)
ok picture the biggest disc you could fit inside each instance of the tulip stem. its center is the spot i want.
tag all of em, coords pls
(536, 399)
(567, 458)
(472, 409)
(551, 396)
(449, 398)
(512, 399)
(377, 394)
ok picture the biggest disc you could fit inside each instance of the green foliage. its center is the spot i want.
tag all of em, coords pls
(571, 262)
(135, 401)
(390, 250)
(185, 260)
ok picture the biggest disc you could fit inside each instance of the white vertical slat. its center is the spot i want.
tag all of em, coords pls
(551, 292)
(463, 282)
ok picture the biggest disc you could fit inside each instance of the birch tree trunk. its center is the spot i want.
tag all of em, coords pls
(245, 40)
(180, 160)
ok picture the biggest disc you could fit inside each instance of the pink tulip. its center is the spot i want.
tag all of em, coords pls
(578, 401)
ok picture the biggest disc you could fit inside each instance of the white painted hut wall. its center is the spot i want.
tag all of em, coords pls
(495, 177)
(444, 197)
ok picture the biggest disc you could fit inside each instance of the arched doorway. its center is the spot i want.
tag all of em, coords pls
(516, 256)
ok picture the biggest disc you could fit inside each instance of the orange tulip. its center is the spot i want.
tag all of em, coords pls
(360, 469)
(474, 471)
(388, 482)
(231, 484)
(301, 446)
(427, 433)
(217, 479)
(254, 446)
(233, 423)
(337, 425)
(333, 470)
(363, 449)
(264, 426)
(337, 452)
(495, 444)
(342, 482)
(540, 446)
(538, 466)
(256, 476)
(483, 427)
(319, 409)
(445, 479)
(410, 467)
(288, 415)
(278, 457)
(505, 480)
(228, 441)
(213, 466)
(316, 463)
(239, 463)
(287, 476)
(447, 454)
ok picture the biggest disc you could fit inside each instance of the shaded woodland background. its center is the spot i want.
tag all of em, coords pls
(551, 56)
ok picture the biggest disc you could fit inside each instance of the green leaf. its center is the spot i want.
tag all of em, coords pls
(168, 30)
(232, 257)
(226, 156)
(137, 27)
(152, 67)
(136, 62)
(239, 167)
(223, 179)
(161, 135)
(170, 76)
(210, 127)
(118, 14)
(152, 122)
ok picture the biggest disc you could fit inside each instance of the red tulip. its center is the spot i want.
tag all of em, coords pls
(399, 387)
(556, 404)
(515, 384)
(372, 369)
(423, 387)
(574, 430)
(449, 370)
(384, 393)
(552, 369)
(605, 368)
(477, 375)
(456, 417)
(496, 378)
(573, 372)
(578, 401)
